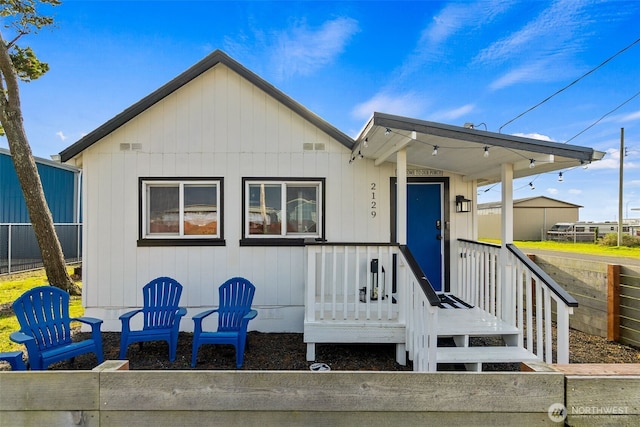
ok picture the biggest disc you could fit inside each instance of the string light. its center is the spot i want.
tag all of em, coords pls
(435, 150)
(532, 163)
(360, 156)
(387, 131)
(486, 151)
(560, 178)
(533, 187)
(366, 142)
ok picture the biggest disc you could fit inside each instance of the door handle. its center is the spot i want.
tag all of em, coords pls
(438, 225)
(439, 237)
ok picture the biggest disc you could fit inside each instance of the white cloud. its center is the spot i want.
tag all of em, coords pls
(631, 117)
(452, 114)
(544, 49)
(61, 135)
(554, 27)
(575, 191)
(403, 104)
(528, 72)
(534, 136)
(297, 50)
(303, 50)
(553, 191)
(455, 18)
(612, 161)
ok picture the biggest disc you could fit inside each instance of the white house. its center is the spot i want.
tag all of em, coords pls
(219, 174)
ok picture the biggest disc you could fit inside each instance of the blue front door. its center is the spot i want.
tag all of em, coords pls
(425, 232)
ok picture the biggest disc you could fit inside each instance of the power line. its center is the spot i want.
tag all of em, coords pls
(569, 85)
(597, 121)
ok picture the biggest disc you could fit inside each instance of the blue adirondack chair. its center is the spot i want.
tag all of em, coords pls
(234, 314)
(14, 358)
(45, 328)
(161, 316)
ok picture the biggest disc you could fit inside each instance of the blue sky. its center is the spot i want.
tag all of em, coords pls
(450, 62)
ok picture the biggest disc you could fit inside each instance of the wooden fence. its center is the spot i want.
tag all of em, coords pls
(113, 396)
(608, 296)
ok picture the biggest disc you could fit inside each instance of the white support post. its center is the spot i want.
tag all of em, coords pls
(505, 284)
(507, 203)
(401, 200)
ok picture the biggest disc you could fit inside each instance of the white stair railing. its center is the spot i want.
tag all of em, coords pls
(422, 314)
(504, 282)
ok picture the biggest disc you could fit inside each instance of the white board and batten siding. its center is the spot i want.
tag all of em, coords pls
(217, 125)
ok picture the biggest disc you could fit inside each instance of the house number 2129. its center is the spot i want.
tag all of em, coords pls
(374, 202)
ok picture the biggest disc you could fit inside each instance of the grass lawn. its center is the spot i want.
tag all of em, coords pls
(11, 287)
(582, 248)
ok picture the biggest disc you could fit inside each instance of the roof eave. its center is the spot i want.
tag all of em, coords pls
(583, 154)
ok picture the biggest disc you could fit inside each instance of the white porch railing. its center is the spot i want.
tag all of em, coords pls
(504, 282)
(342, 286)
(351, 299)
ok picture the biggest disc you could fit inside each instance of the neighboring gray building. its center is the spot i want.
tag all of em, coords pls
(532, 217)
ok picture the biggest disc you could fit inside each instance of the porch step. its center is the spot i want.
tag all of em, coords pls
(461, 324)
(476, 356)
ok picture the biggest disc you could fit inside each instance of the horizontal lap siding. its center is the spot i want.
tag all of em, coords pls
(218, 125)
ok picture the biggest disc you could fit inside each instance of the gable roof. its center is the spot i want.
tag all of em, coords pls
(213, 59)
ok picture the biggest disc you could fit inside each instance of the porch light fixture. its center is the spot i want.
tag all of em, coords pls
(486, 151)
(463, 204)
(560, 178)
(532, 163)
(435, 150)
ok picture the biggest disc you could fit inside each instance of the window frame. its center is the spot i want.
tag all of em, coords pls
(145, 239)
(285, 238)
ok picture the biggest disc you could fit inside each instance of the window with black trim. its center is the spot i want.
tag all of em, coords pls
(180, 209)
(283, 208)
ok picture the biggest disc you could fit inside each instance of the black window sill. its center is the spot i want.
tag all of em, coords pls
(272, 242)
(181, 242)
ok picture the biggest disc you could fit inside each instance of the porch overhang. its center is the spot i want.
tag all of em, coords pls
(461, 150)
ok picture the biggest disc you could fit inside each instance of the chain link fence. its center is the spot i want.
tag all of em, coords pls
(19, 248)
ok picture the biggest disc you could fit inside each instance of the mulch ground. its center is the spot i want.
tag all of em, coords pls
(287, 351)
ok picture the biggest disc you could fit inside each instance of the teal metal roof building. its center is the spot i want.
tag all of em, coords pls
(61, 184)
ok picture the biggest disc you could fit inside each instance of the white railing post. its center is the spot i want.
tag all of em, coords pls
(311, 283)
(562, 326)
